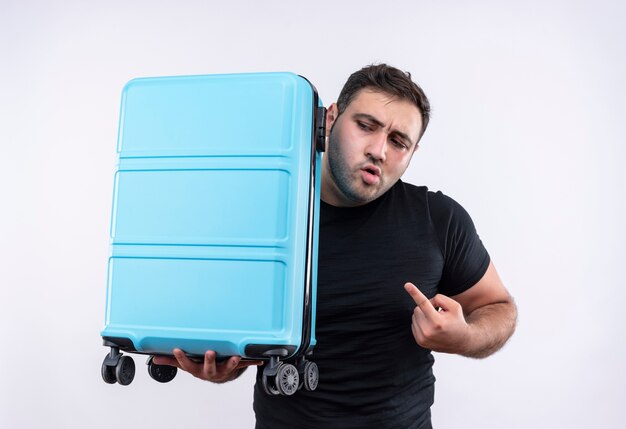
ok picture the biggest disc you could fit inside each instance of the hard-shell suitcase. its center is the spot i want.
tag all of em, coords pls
(214, 224)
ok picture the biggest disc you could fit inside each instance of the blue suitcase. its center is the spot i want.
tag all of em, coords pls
(214, 224)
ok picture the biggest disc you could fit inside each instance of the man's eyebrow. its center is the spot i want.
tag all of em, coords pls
(375, 121)
(370, 118)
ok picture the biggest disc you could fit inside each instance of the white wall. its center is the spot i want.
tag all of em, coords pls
(528, 106)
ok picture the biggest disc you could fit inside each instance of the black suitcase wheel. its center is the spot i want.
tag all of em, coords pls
(108, 373)
(311, 376)
(161, 373)
(125, 370)
(287, 379)
(269, 385)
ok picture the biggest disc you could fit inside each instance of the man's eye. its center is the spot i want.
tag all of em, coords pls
(363, 126)
(398, 143)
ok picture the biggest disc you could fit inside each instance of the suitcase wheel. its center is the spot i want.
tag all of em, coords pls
(161, 373)
(311, 376)
(281, 378)
(287, 379)
(125, 370)
(118, 368)
(269, 385)
(108, 374)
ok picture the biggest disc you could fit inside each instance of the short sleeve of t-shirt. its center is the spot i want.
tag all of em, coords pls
(465, 258)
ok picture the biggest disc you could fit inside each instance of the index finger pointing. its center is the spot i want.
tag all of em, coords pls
(415, 293)
(419, 298)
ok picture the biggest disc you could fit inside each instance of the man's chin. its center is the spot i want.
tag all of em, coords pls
(367, 195)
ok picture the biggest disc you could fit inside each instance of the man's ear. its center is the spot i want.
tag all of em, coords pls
(331, 116)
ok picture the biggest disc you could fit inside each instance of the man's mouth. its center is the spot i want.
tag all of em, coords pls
(370, 174)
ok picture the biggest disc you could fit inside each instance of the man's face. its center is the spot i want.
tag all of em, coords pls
(371, 144)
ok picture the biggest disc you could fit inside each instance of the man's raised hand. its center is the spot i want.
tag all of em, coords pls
(438, 323)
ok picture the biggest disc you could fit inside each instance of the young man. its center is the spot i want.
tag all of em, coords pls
(401, 273)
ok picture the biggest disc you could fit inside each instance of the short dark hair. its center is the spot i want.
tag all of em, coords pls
(387, 79)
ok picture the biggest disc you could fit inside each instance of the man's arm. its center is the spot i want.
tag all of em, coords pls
(475, 323)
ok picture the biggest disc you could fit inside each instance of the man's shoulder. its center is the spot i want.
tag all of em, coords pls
(435, 199)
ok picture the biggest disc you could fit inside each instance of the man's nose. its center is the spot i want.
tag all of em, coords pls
(377, 147)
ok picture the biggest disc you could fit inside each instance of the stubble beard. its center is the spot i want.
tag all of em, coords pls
(344, 178)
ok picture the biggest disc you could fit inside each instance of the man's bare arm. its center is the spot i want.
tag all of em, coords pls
(475, 323)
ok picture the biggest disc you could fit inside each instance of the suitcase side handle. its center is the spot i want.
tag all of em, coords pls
(320, 129)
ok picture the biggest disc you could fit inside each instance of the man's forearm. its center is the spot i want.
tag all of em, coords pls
(490, 327)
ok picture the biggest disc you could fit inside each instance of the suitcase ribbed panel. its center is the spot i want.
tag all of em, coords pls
(210, 213)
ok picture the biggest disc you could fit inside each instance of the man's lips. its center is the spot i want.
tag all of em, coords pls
(370, 174)
(372, 169)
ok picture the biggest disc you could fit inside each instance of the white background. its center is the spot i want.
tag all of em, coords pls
(527, 133)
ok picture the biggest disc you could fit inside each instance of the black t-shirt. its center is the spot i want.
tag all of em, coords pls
(372, 372)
